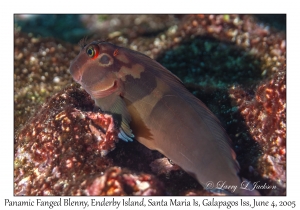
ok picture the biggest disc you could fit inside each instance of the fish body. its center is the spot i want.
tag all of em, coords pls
(156, 109)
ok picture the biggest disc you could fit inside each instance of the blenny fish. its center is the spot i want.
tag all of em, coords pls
(154, 107)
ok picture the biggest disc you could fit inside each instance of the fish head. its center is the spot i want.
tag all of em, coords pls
(96, 67)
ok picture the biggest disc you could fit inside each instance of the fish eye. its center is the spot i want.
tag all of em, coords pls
(92, 51)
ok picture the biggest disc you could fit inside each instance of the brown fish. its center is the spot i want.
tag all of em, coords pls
(161, 112)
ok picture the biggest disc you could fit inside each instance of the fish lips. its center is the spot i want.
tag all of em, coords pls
(75, 71)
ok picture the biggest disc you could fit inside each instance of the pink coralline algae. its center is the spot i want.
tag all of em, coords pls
(118, 182)
(60, 151)
(265, 116)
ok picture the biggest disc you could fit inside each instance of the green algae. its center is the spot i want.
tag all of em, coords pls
(209, 62)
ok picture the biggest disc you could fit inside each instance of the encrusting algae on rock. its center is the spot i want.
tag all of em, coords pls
(56, 135)
(265, 115)
(41, 66)
(60, 151)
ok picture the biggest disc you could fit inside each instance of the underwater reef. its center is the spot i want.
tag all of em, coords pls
(235, 64)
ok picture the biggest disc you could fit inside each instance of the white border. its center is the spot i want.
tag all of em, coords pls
(28, 6)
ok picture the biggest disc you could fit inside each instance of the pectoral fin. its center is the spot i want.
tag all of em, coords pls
(115, 105)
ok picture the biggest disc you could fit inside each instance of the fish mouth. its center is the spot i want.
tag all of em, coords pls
(78, 78)
(106, 91)
(75, 72)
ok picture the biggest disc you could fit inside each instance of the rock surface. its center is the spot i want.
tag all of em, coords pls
(235, 64)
